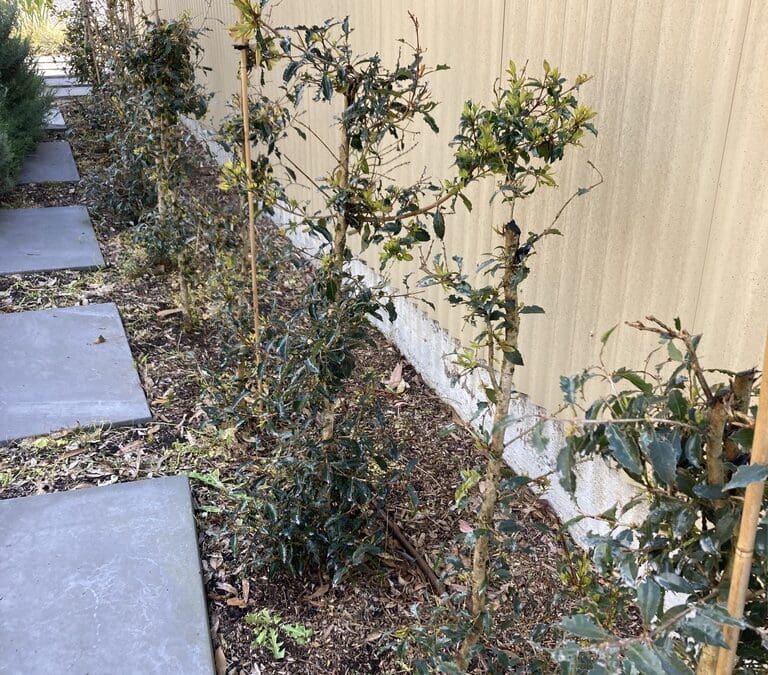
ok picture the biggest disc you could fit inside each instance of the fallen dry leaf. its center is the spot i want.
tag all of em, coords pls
(396, 383)
(221, 661)
(165, 313)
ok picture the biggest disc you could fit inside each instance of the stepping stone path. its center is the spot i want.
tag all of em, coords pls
(57, 77)
(103, 580)
(53, 66)
(65, 368)
(40, 240)
(54, 121)
(51, 162)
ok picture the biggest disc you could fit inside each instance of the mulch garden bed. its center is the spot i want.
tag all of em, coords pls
(351, 624)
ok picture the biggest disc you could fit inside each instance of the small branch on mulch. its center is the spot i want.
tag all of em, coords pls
(412, 551)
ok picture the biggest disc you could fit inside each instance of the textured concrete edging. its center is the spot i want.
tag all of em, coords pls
(426, 345)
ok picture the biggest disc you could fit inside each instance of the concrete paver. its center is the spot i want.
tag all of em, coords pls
(104, 581)
(51, 162)
(66, 368)
(43, 239)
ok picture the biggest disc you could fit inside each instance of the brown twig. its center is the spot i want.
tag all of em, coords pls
(666, 331)
(437, 586)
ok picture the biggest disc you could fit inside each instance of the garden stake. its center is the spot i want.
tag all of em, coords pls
(745, 545)
(88, 40)
(245, 110)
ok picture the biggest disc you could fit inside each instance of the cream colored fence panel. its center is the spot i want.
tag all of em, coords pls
(678, 226)
(733, 300)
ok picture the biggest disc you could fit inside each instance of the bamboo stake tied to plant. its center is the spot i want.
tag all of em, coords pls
(745, 544)
(244, 48)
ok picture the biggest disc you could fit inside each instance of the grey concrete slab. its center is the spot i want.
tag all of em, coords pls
(52, 58)
(52, 66)
(60, 81)
(71, 92)
(66, 368)
(103, 581)
(51, 162)
(53, 70)
(40, 240)
(54, 120)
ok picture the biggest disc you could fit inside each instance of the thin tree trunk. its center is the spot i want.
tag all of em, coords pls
(718, 415)
(481, 553)
(328, 419)
(342, 176)
(88, 40)
(246, 113)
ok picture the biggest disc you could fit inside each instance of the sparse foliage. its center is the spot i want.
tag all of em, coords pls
(517, 140)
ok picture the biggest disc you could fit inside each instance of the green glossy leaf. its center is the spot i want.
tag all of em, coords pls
(672, 663)
(583, 626)
(532, 309)
(677, 404)
(674, 352)
(339, 575)
(693, 452)
(628, 569)
(674, 582)
(605, 336)
(662, 455)
(565, 466)
(745, 475)
(624, 450)
(438, 224)
(569, 387)
(290, 71)
(682, 521)
(702, 629)
(743, 437)
(711, 492)
(644, 659)
(635, 379)
(327, 87)
(649, 596)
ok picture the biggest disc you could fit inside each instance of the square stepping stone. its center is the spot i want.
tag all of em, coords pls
(53, 66)
(51, 162)
(40, 240)
(54, 120)
(66, 368)
(103, 580)
(52, 58)
(60, 81)
(53, 69)
(71, 92)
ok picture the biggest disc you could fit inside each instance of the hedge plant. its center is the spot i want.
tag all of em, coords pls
(23, 98)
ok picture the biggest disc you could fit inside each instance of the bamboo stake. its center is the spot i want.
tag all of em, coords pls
(88, 40)
(745, 545)
(245, 109)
